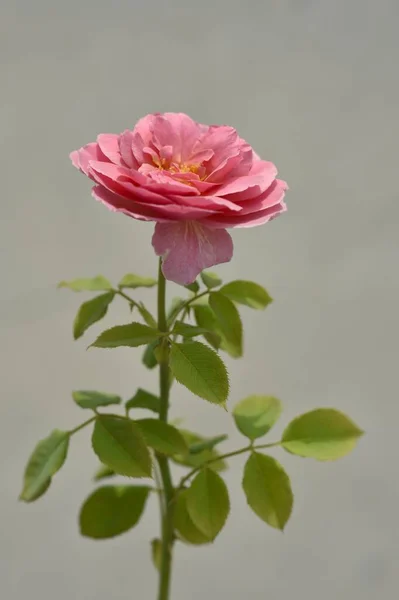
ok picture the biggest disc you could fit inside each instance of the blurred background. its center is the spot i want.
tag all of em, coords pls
(313, 86)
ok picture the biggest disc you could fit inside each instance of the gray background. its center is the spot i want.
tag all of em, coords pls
(313, 86)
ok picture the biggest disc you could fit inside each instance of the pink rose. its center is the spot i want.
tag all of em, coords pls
(194, 180)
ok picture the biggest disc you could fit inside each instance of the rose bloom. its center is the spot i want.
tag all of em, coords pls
(194, 180)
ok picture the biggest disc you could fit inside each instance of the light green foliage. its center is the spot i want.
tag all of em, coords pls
(135, 281)
(195, 457)
(93, 284)
(162, 437)
(193, 287)
(195, 509)
(149, 358)
(186, 330)
(207, 444)
(255, 415)
(184, 524)
(120, 445)
(206, 319)
(133, 335)
(156, 553)
(92, 399)
(210, 279)
(208, 502)
(229, 323)
(144, 399)
(268, 489)
(90, 312)
(247, 292)
(324, 434)
(111, 510)
(46, 459)
(201, 370)
(147, 316)
(103, 472)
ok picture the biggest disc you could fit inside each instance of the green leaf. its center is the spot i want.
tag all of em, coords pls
(147, 316)
(193, 287)
(91, 399)
(133, 335)
(135, 281)
(186, 330)
(256, 415)
(197, 457)
(93, 284)
(103, 472)
(46, 459)
(149, 359)
(207, 444)
(206, 319)
(208, 502)
(268, 489)
(144, 399)
(112, 510)
(229, 322)
(184, 525)
(324, 433)
(156, 553)
(210, 279)
(247, 292)
(90, 312)
(162, 437)
(201, 370)
(120, 445)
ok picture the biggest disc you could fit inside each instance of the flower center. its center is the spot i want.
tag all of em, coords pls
(165, 165)
(184, 172)
(183, 168)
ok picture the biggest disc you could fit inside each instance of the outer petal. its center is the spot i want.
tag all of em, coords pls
(109, 145)
(117, 203)
(270, 197)
(259, 179)
(81, 158)
(125, 148)
(254, 212)
(151, 211)
(213, 203)
(251, 220)
(189, 247)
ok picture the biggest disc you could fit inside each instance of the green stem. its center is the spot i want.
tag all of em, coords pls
(126, 297)
(249, 448)
(167, 520)
(82, 425)
(188, 302)
(158, 483)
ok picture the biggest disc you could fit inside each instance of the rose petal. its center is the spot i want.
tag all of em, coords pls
(81, 158)
(143, 130)
(109, 145)
(270, 197)
(135, 207)
(125, 148)
(187, 248)
(187, 133)
(118, 203)
(251, 220)
(260, 177)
